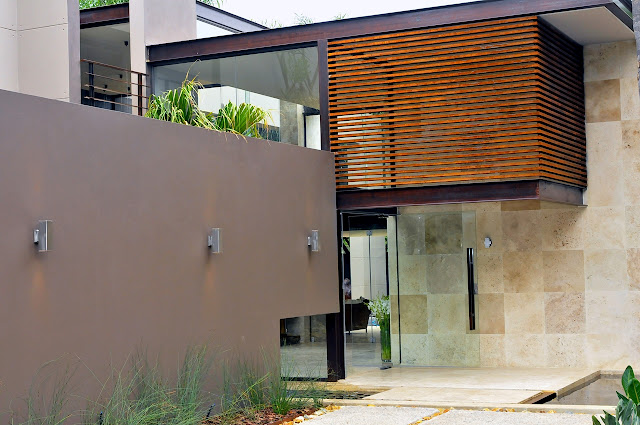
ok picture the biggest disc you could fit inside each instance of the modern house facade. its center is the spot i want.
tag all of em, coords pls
(505, 127)
(485, 165)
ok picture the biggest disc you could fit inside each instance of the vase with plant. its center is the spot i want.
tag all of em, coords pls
(382, 311)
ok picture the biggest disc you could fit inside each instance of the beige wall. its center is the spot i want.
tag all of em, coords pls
(560, 287)
(40, 48)
(131, 201)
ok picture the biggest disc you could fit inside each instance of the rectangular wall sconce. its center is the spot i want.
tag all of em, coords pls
(42, 235)
(213, 241)
(313, 241)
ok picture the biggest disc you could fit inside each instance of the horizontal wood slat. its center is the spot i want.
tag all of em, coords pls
(488, 101)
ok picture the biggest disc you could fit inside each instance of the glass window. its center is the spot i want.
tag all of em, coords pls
(284, 83)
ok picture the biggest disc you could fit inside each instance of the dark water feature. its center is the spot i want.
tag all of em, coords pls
(601, 392)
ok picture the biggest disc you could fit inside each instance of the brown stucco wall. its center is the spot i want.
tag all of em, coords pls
(131, 201)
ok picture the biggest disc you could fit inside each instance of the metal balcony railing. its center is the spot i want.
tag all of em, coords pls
(115, 86)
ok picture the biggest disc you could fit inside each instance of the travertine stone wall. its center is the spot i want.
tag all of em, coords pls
(560, 286)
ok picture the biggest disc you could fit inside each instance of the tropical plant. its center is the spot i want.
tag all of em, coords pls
(244, 119)
(628, 408)
(180, 106)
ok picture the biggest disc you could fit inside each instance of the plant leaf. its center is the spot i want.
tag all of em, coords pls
(627, 376)
(625, 410)
(609, 419)
(595, 420)
(633, 391)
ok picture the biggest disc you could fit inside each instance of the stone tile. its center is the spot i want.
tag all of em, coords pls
(606, 311)
(443, 233)
(632, 324)
(632, 226)
(489, 224)
(632, 182)
(564, 313)
(468, 230)
(393, 305)
(521, 230)
(629, 99)
(492, 351)
(633, 268)
(524, 313)
(447, 313)
(454, 350)
(604, 227)
(413, 314)
(523, 271)
(446, 274)
(525, 205)
(548, 205)
(605, 269)
(490, 274)
(482, 207)
(490, 318)
(602, 100)
(606, 351)
(412, 272)
(423, 209)
(630, 133)
(628, 59)
(605, 181)
(565, 350)
(523, 350)
(395, 348)
(562, 229)
(415, 350)
(563, 271)
(410, 234)
(601, 61)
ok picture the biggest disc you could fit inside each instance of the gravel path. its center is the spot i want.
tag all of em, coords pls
(474, 417)
(357, 415)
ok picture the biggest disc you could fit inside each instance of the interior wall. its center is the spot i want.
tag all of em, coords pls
(559, 281)
(9, 44)
(131, 200)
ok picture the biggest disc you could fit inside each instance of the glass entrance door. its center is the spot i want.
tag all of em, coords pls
(433, 320)
(365, 277)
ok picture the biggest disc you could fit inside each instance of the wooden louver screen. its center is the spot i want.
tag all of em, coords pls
(487, 101)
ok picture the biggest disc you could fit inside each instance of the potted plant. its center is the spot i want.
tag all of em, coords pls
(381, 310)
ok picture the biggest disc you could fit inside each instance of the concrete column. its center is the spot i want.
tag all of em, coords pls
(158, 22)
(48, 54)
(9, 45)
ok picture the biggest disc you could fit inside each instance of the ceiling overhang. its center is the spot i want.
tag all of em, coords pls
(449, 194)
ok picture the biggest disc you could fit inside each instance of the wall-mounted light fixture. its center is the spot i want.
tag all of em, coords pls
(42, 235)
(214, 241)
(313, 241)
(487, 242)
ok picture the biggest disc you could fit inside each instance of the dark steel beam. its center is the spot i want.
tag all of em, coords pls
(323, 84)
(423, 18)
(220, 18)
(106, 15)
(448, 194)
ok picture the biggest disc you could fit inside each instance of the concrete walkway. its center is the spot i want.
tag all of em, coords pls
(352, 415)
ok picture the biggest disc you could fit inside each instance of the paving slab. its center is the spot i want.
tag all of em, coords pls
(454, 395)
(367, 415)
(538, 379)
(470, 417)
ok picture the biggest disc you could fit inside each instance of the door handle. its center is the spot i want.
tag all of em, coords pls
(471, 289)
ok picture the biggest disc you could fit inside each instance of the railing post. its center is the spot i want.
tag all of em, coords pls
(140, 94)
(91, 86)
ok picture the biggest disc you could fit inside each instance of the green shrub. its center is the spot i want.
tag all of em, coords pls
(628, 408)
(180, 106)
